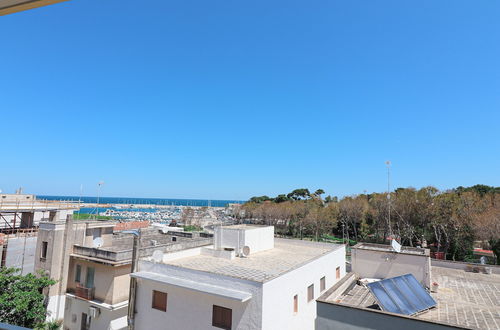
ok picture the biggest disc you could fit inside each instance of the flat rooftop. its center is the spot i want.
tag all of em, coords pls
(464, 299)
(287, 254)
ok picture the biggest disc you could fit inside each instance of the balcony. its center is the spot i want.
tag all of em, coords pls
(83, 292)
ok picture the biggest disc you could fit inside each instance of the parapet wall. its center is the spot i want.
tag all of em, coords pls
(380, 262)
(337, 316)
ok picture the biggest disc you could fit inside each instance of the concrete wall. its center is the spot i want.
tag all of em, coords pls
(384, 264)
(21, 253)
(187, 309)
(341, 317)
(278, 293)
(16, 197)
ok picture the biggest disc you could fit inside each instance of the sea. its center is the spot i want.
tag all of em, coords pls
(149, 201)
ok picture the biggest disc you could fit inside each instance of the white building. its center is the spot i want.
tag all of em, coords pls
(248, 281)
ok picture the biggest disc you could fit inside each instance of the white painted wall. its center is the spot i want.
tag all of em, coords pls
(75, 307)
(183, 253)
(383, 264)
(258, 238)
(55, 307)
(279, 292)
(187, 309)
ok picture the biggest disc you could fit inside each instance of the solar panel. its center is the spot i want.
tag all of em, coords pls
(401, 295)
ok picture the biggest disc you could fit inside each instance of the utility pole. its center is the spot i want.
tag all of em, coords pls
(133, 280)
(388, 163)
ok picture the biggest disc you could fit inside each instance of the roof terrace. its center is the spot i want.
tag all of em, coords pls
(465, 299)
(287, 254)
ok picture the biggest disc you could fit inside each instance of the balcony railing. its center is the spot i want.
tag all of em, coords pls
(83, 292)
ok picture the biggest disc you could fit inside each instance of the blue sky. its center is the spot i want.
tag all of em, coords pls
(231, 99)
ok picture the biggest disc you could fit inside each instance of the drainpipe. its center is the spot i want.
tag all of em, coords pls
(133, 281)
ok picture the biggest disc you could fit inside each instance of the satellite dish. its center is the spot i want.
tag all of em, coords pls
(158, 256)
(396, 246)
(246, 251)
(97, 242)
(164, 230)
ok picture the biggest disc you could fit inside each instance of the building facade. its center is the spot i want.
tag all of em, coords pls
(91, 260)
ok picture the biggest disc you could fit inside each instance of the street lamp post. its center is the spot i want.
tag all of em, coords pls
(99, 184)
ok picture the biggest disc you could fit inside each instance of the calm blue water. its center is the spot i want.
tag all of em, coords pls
(152, 201)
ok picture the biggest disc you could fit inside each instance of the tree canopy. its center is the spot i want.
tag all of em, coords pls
(21, 298)
(449, 221)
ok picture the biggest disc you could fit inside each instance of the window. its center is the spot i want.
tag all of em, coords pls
(89, 279)
(174, 239)
(296, 304)
(337, 272)
(85, 322)
(96, 233)
(322, 284)
(52, 215)
(159, 301)
(222, 317)
(44, 250)
(310, 292)
(78, 273)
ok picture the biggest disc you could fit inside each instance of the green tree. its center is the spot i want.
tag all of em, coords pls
(298, 194)
(318, 193)
(495, 246)
(281, 198)
(21, 298)
(260, 199)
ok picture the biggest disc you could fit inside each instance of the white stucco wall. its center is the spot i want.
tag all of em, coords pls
(55, 307)
(278, 293)
(258, 238)
(183, 253)
(75, 307)
(187, 309)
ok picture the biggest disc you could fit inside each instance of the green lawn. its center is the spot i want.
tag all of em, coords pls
(86, 216)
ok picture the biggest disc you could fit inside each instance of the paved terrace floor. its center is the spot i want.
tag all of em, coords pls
(464, 298)
(286, 255)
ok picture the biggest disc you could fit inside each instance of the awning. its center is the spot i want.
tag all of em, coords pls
(215, 290)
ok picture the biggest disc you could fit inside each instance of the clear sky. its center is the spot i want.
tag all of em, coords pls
(231, 99)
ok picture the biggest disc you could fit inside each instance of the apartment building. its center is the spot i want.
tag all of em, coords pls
(246, 280)
(92, 261)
